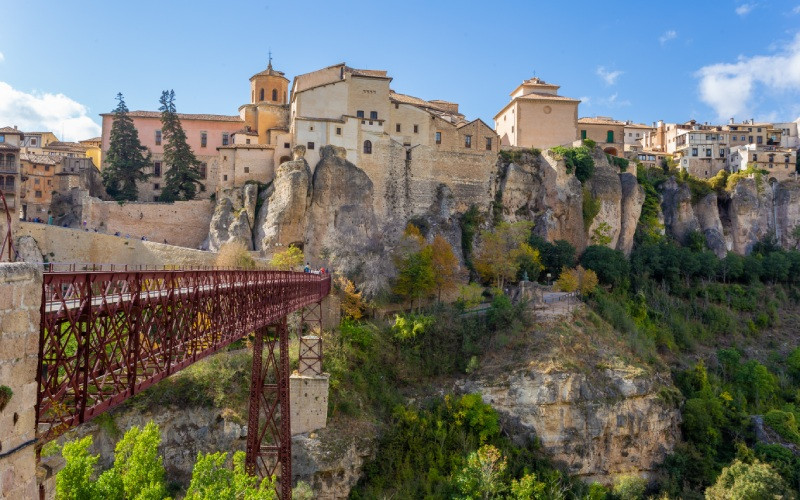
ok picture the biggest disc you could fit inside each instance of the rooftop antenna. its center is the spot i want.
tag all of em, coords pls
(270, 58)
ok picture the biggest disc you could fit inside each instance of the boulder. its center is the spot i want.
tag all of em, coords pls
(283, 218)
(230, 221)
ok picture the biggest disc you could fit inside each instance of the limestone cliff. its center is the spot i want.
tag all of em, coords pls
(595, 413)
(233, 218)
(631, 209)
(606, 188)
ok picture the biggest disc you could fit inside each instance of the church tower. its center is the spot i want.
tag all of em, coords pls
(268, 110)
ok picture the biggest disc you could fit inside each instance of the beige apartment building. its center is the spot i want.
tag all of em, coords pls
(608, 133)
(780, 163)
(634, 135)
(537, 117)
(37, 188)
(10, 142)
(702, 153)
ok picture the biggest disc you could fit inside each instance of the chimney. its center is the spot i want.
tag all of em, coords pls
(15, 127)
(731, 121)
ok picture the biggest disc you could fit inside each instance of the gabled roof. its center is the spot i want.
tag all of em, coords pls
(8, 147)
(39, 159)
(11, 130)
(65, 146)
(600, 120)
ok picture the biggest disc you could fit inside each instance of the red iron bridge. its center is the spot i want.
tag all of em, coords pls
(107, 335)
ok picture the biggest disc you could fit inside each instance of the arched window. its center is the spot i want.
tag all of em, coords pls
(610, 136)
(10, 159)
(368, 147)
(262, 95)
(274, 94)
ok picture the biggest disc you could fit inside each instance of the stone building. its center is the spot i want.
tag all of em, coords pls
(391, 135)
(93, 149)
(780, 163)
(10, 141)
(702, 152)
(68, 149)
(35, 141)
(608, 133)
(634, 135)
(37, 184)
(750, 132)
(537, 117)
(204, 134)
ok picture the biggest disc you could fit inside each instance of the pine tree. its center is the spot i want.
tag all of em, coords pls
(126, 158)
(183, 168)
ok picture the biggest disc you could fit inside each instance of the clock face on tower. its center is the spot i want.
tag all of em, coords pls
(547, 110)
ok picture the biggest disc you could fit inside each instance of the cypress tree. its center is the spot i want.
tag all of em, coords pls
(183, 168)
(126, 158)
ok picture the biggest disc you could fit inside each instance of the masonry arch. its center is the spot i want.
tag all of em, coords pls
(283, 160)
(274, 94)
(261, 98)
(368, 147)
(610, 150)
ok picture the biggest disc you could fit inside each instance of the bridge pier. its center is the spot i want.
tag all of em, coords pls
(20, 303)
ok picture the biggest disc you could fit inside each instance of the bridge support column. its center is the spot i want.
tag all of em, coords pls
(269, 434)
(308, 388)
(20, 302)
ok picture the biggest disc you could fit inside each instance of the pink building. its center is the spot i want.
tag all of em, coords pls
(205, 133)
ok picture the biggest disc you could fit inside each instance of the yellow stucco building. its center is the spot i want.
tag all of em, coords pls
(537, 117)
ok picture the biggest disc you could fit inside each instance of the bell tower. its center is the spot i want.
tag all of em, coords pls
(269, 86)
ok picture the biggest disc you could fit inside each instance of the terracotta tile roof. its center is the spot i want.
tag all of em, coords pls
(8, 147)
(93, 139)
(39, 159)
(638, 125)
(377, 73)
(543, 96)
(600, 120)
(182, 116)
(244, 131)
(65, 146)
(11, 130)
(270, 72)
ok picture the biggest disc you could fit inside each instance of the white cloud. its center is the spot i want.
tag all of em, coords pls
(745, 9)
(729, 87)
(796, 10)
(610, 77)
(2, 57)
(667, 36)
(45, 112)
(586, 100)
(613, 101)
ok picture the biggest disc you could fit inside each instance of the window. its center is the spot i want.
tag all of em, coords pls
(367, 147)
(755, 157)
(438, 137)
(310, 145)
(225, 139)
(247, 170)
(467, 141)
(610, 136)
(311, 128)
(360, 114)
(771, 158)
(416, 129)
(512, 129)
(488, 144)
(759, 140)
(722, 152)
(786, 159)
(708, 152)
(397, 128)
(261, 95)
(203, 139)
(759, 129)
(36, 181)
(694, 151)
(203, 170)
(583, 134)
(373, 115)
(156, 186)
(338, 132)
(202, 188)
(38, 194)
(33, 142)
(2, 138)
(224, 177)
(157, 169)
(247, 141)
(274, 94)
(158, 137)
(742, 137)
(750, 139)
(287, 145)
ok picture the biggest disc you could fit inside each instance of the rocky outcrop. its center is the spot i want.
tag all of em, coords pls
(282, 218)
(599, 425)
(233, 218)
(750, 213)
(606, 188)
(706, 211)
(787, 212)
(330, 460)
(631, 209)
(676, 205)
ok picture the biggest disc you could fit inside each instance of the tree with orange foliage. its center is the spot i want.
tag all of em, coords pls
(445, 265)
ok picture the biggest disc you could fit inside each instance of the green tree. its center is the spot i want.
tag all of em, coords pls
(496, 259)
(137, 473)
(753, 481)
(483, 475)
(287, 260)
(416, 278)
(213, 480)
(126, 158)
(610, 265)
(183, 168)
(629, 487)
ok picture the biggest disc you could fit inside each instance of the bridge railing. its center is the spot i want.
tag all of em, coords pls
(106, 336)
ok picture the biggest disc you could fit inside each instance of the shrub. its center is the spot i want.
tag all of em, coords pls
(743, 481)
(290, 259)
(629, 487)
(591, 207)
(784, 423)
(610, 265)
(235, 255)
(469, 295)
(213, 480)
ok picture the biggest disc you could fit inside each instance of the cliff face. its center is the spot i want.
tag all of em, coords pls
(233, 218)
(569, 386)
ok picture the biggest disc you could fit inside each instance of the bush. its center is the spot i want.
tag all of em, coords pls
(784, 423)
(743, 481)
(629, 487)
(288, 260)
(234, 255)
(610, 265)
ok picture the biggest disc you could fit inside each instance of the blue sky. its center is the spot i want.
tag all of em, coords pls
(62, 63)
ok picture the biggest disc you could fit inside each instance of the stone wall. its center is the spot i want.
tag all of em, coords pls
(183, 223)
(20, 298)
(59, 244)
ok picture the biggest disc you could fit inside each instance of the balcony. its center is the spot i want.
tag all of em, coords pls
(8, 167)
